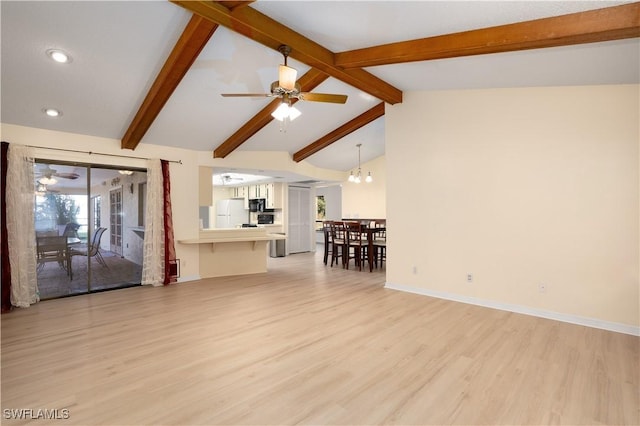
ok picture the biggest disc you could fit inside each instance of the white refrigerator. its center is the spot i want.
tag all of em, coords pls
(231, 213)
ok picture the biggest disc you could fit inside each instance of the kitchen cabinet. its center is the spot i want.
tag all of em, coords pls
(273, 196)
(271, 192)
(254, 191)
(242, 192)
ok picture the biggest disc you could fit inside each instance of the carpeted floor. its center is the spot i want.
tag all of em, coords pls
(53, 281)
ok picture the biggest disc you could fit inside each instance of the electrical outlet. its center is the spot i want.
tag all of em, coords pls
(542, 288)
(469, 278)
(415, 269)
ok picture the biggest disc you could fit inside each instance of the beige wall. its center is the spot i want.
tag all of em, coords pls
(519, 187)
(366, 200)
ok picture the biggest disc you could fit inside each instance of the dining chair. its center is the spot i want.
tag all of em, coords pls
(338, 242)
(356, 244)
(93, 249)
(380, 246)
(71, 230)
(328, 243)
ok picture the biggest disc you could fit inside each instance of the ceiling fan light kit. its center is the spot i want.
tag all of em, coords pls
(48, 180)
(286, 111)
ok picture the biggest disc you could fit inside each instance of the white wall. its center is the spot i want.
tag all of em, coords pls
(519, 187)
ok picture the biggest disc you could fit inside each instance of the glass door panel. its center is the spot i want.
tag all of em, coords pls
(96, 210)
(61, 224)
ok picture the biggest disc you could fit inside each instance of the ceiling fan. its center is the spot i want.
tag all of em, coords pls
(47, 174)
(226, 179)
(229, 178)
(287, 89)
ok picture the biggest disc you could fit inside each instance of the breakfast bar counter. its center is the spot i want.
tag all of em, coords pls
(232, 251)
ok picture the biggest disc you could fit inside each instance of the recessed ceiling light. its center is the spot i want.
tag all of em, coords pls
(52, 112)
(59, 56)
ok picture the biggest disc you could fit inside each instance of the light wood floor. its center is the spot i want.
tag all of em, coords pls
(308, 344)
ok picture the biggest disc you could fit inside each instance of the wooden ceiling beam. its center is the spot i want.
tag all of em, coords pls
(309, 81)
(194, 37)
(342, 131)
(235, 4)
(259, 27)
(612, 23)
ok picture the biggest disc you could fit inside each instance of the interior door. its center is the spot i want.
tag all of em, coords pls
(115, 220)
(300, 228)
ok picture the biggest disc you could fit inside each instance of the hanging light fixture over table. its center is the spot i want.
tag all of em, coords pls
(357, 178)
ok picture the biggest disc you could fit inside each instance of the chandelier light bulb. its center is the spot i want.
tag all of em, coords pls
(368, 179)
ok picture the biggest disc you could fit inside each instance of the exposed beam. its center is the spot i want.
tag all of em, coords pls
(194, 37)
(310, 80)
(235, 4)
(612, 23)
(259, 27)
(342, 131)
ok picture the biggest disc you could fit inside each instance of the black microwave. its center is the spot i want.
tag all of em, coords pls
(257, 204)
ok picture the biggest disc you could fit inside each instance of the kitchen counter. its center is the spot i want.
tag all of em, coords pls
(232, 251)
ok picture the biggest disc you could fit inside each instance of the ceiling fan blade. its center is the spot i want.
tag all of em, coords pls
(287, 77)
(323, 97)
(246, 95)
(67, 175)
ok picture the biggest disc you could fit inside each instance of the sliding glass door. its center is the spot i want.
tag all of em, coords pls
(88, 233)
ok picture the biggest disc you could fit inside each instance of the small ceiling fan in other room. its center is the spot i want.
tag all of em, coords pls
(47, 175)
(287, 89)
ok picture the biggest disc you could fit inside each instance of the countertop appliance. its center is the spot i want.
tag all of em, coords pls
(230, 213)
(265, 219)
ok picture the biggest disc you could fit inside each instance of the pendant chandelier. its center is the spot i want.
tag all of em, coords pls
(357, 178)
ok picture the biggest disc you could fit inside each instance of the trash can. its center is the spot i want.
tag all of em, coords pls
(277, 247)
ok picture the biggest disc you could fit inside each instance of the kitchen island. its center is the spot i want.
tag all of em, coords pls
(232, 251)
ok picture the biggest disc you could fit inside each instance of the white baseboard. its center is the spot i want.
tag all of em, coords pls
(188, 278)
(526, 310)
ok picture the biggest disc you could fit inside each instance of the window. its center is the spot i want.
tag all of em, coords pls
(320, 207)
(320, 211)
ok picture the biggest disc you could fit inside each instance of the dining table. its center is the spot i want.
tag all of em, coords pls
(56, 249)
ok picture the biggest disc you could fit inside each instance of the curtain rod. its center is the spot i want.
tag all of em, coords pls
(100, 153)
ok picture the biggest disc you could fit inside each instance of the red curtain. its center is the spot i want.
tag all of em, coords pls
(4, 251)
(169, 247)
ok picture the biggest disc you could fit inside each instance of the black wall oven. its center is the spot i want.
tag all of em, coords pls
(265, 219)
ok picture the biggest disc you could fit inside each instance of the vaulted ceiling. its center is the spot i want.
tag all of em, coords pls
(153, 72)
